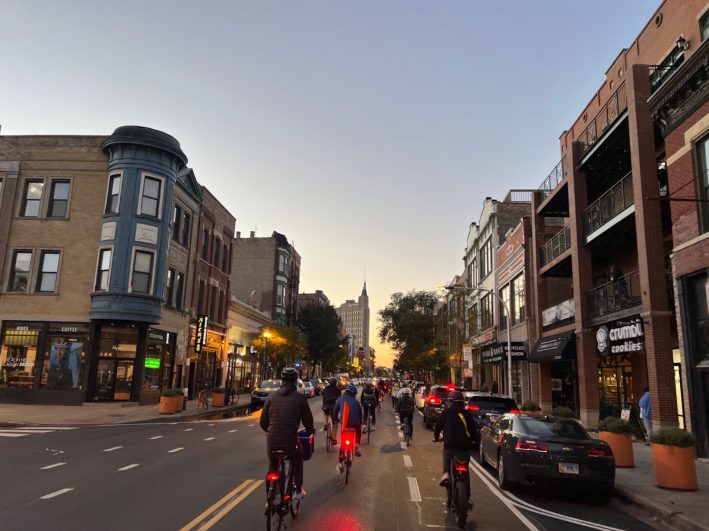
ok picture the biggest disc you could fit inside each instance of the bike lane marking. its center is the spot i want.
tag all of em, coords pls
(112, 449)
(57, 493)
(407, 461)
(229, 507)
(216, 506)
(52, 466)
(414, 490)
(128, 467)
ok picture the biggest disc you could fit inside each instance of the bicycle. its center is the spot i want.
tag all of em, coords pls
(368, 424)
(407, 432)
(279, 497)
(329, 437)
(394, 401)
(348, 444)
(456, 492)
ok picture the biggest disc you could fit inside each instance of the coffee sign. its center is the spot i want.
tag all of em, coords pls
(621, 337)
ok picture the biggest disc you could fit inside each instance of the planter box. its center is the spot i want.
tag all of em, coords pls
(218, 399)
(675, 467)
(532, 412)
(622, 446)
(167, 405)
(179, 401)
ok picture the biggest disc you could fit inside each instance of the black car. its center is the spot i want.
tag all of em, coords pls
(435, 402)
(265, 388)
(317, 385)
(482, 405)
(532, 449)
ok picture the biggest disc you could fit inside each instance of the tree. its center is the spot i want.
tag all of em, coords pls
(282, 345)
(322, 326)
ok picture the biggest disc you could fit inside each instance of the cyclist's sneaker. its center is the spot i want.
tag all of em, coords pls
(341, 467)
(374, 428)
(357, 452)
(299, 494)
(364, 428)
(445, 480)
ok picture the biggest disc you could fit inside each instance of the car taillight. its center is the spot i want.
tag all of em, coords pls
(272, 477)
(434, 400)
(515, 411)
(473, 408)
(451, 387)
(531, 447)
(600, 452)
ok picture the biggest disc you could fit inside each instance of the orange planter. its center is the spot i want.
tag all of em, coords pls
(167, 405)
(179, 401)
(674, 467)
(532, 412)
(622, 446)
(218, 399)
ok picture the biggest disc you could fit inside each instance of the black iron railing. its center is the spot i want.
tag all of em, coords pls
(552, 181)
(519, 196)
(557, 245)
(608, 114)
(609, 205)
(615, 295)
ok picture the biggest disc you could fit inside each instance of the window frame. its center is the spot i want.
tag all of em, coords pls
(108, 248)
(12, 270)
(704, 25)
(170, 285)
(176, 228)
(515, 296)
(506, 291)
(51, 201)
(217, 249)
(486, 266)
(40, 273)
(186, 228)
(702, 168)
(225, 258)
(179, 290)
(200, 298)
(161, 192)
(23, 202)
(220, 311)
(151, 278)
(486, 312)
(111, 175)
(205, 245)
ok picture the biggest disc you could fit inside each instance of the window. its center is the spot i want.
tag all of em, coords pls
(176, 220)
(104, 266)
(20, 271)
(703, 180)
(59, 199)
(704, 26)
(114, 192)
(200, 300)
(518, 299)
(505, 296)
(486, 258)
(473, 274)
(225, 258)
(281, 295)
(217, 248)
(205, 245)
(486, 315)
(169, 286)
(186, 228)
(212, 303)
(48, 268)
(281, 263)
(221, 307)
(142, 272)
(32, 199)
(150, 201)
(179, 290)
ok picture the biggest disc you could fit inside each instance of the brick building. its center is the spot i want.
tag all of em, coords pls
(304, 299)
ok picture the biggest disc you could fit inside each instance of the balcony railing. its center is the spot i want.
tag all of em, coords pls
(609, 205)
(552, 181)
(608, 114)
(519, 196)
(615, 295)
(557, 245)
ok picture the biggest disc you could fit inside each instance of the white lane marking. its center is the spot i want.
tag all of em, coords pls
(250, 425)
(175, 450)
(53, 494)
(45, 428)
(407, 461)
(22, 430)
(156, 437)
(403, 446)
(190, 429)
(232, 431)
(210, 438)
(52, 466)
(128, 467)
(114, 448)
(211, 424)
(414, 490)
(14, 434)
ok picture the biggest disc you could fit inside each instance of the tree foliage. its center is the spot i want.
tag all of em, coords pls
(285, 345)
(326, 345)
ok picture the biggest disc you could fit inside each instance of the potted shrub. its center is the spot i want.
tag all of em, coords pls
(218, 396)
(531, 408)
(179, 399)
(673, 459)
(167, 402)
(565, 412)
(617, 433)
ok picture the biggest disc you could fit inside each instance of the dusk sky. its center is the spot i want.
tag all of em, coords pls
(368, 132)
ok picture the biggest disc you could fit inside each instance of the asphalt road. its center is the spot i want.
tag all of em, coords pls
(208, 475)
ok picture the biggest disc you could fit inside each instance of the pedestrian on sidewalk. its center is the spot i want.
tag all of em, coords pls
(494, 389)
(645, 411)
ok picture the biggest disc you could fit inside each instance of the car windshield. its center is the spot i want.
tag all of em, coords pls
(492, 404)
(307, 384)
(554, 428)
(270, 385)
(314, 382)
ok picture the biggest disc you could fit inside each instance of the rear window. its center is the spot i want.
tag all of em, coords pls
(492, 404)
(307, 384)
(441, 393)
(553, 428)
(270, 385)
(315, 381)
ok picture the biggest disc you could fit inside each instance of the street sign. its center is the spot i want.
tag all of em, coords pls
(468, 352)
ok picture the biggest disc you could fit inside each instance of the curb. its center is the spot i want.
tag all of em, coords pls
(675, 519)
(192, 416)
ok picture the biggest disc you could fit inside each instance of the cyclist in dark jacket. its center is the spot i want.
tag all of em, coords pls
(281, 416)
(329, 396)
(459, 435)
(370, 399)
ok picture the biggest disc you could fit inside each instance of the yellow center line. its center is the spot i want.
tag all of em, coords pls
(214, 507)
(229, 507)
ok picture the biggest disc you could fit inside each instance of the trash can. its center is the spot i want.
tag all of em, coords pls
(307, 443)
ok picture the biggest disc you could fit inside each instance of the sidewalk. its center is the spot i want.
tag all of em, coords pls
(105, 413)
(682, 510)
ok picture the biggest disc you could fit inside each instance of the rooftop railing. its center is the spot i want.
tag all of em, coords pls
(609, 205)
(552, 181)
(519, 196)
(608, 114)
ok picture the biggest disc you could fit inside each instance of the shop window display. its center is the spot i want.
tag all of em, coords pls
(19, 354)
(65, 356)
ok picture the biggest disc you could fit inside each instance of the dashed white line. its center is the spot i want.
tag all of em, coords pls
(250, 425)
(175, 450)
(53, 494)
(232, 431)
(52, 466)
(23, 430)
(414, 490)
(128, 467)
(112, 449)
(407, 461)
(156, 437)
(210, 438)
(189, 429)
(211, 424)
(403, 446)
(46, 428)
(14, 434)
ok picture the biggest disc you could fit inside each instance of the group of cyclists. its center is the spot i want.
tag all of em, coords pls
(286, 409)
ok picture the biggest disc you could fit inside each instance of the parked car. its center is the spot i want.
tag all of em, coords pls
(530, 448)
(265, 388)
(485, 406)
(436, 402)
(309, 389)
(317, 385)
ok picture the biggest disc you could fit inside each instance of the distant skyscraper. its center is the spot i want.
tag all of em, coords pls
(355, 317)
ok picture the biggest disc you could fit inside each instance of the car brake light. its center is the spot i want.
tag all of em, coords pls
(473, 408)
(515, 411)
(531, 447)
(434, 400)
(600, 452)
(272, 477)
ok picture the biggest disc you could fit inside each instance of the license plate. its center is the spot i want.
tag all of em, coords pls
(569, 468)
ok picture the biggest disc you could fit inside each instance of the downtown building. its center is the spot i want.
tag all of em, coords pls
(355, 318)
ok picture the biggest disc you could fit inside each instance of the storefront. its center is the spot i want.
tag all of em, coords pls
(496, 357)
(559, 352)
(242, 368)
(43, 362)
(205, 362)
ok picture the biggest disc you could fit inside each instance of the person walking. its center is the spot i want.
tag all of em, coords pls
(494, 388)
(645, 411)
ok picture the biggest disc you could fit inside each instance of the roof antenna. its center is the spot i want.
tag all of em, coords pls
(255, 229)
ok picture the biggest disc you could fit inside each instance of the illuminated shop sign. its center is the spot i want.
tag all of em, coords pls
(621, 337)
(201, 334)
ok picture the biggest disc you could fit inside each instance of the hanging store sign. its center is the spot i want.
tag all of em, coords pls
(621, 337)
(498, 353)
(201, 333)
(152, 363)
(487, 337)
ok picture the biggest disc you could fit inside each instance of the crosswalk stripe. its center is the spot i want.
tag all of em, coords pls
(25, 431)
(14, 434)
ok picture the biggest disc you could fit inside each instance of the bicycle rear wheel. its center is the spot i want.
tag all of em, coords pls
(461, 502)
(294, 502)
(348, 464)
(328, 437)
(274, 519)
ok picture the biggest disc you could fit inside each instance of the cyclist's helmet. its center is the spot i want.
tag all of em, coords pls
(351, 389)
(405, 385)
(406, 391)
(332, 381)
(289, 375)
(456, 396)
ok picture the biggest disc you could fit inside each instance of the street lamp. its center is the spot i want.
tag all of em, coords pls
(509, 324)
(266, 337)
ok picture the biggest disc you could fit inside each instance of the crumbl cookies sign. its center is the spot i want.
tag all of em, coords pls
(622, 337)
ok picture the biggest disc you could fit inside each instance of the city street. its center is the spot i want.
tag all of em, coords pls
(208, 475)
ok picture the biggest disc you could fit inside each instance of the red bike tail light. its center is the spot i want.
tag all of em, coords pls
(451, 387)
(272, 476)
(347, 438)
(517, 411)
(600, 452)
(531, 447)
(461, 468)
(473, 408)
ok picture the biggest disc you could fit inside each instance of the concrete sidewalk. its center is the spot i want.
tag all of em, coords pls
(682, 510)
(105, 413)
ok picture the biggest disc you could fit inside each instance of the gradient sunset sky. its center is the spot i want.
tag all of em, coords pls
(368, 132)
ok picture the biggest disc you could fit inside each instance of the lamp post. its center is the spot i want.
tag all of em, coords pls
(266, 337)
(509, 323)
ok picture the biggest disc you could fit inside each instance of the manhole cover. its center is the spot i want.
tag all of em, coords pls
(116, 415)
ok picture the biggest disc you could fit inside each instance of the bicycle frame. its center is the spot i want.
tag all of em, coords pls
(348, 444)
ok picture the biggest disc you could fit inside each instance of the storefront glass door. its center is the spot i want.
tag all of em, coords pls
(124, 379)
(105, 380)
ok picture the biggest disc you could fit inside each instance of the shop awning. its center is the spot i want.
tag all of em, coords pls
(554, 348)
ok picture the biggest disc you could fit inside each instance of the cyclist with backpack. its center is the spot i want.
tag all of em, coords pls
(370, 400)
(406, 407)
(354, 420)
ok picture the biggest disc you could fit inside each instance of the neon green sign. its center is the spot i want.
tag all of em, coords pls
(152, 363)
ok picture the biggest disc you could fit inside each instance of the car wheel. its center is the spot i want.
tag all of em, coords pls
(505, 484)
(602, 494)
